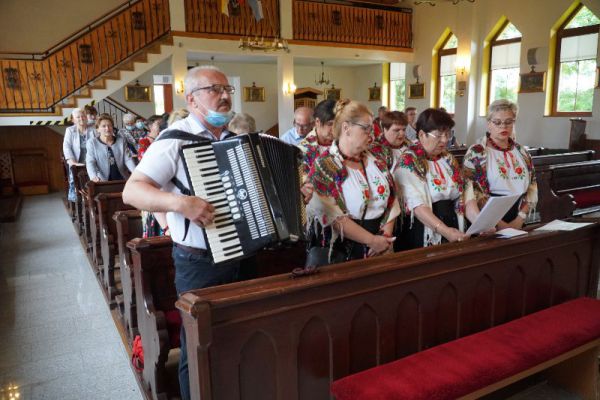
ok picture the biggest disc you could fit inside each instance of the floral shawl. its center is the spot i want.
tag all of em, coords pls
(381, 148)
(327, 176)
(411, 172)
(310, 151)
(476, 181)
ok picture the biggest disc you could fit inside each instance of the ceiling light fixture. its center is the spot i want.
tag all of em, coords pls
(322, 81)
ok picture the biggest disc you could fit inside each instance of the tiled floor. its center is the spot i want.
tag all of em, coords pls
(57, 336)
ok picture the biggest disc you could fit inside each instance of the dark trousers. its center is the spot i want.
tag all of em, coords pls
(193, 271)
(408, 237)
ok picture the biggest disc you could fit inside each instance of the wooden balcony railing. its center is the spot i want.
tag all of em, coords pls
(204, 16)
(38, 82)
(321, 22)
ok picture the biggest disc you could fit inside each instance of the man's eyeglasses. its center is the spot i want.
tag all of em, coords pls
(216, 89)
(367, 128)
(508, 122)
(439, 135)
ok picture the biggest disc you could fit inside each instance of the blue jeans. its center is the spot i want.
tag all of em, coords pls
(194, 271)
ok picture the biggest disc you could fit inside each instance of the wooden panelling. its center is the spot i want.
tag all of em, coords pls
(335, 23)
(37, 85)
(38, 137)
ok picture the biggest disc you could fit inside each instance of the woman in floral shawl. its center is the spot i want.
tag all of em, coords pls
(499, 166)
(354, 200)
(432, 185)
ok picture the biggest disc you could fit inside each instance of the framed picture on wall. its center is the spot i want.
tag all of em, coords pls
(138, 93)
(333, 93)
(532, 82)
(416, 91)
(375, 93)
(254, 93)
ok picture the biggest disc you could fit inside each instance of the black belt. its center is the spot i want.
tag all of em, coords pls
(191, 250)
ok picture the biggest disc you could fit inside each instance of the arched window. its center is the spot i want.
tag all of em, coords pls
(575, 63)
(447, 74)
(504, 64)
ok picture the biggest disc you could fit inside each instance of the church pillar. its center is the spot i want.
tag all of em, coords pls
(179, 69)
(285, 95)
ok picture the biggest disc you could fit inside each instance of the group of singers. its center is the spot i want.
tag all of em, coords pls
(372, 190)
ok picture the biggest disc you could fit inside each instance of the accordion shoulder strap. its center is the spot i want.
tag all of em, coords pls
(182, 135)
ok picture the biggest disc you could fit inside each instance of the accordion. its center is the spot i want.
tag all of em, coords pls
(253, 182)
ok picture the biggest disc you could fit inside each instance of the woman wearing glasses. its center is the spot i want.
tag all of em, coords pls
(431, 184)
(499, 166)
(354, 204)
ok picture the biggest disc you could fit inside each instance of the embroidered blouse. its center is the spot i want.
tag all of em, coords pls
(425, 181)
(341, 191)
(488, 170)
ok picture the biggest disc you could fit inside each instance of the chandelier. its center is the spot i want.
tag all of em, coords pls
(434, 2)
(262, 44)
(322, 81)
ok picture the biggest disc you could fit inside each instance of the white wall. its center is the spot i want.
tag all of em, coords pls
(471, 23)
(145, 109)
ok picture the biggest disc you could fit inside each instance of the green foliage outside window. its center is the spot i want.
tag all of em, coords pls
(583, 18)
(505, 84)
(398, 98)
(448, 94)
(576, 86)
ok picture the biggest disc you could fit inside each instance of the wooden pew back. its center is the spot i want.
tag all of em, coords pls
(564, 158)
(280, 338)
(107, 204)
(129, 226)
(92, 189)
(80, 177)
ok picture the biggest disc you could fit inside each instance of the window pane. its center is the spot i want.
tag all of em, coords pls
(448, 92)
(504, 84)
(576, 86)
(506, 55)
(397, 71)
(397, 95)
(510, 32)
(452, 43)
(159, 100)
(580, 47)
(448, 64)
(583, 18)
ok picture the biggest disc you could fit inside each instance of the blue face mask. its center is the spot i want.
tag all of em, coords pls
(218, 119)
(139, 125)
(129, 127)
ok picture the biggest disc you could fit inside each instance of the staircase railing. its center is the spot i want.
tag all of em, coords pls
(37, 82)
(115, 109)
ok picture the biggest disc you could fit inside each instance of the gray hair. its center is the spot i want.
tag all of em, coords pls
(129, 118)
(242, 123)
(502, 105)
(77, 110)
(190, 81)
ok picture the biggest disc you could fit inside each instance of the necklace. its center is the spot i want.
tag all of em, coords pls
(494, 145)
(350, 158)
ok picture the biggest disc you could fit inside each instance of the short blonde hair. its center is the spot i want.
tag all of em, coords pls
(242, 123)
(348, 111)
(502, 105)
(176, 115)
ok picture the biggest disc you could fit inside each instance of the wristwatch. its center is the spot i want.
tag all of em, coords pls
(522, 215)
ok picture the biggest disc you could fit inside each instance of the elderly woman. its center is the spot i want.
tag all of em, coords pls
(499, 166)
(107, 156)
(354, 204)
(242, 123)
(156, 123)
(131, 133)
(392, 142)
(431, 184)
(74, 145)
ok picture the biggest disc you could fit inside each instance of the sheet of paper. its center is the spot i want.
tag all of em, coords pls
(558, 225)
(492, 212)
(510, 232)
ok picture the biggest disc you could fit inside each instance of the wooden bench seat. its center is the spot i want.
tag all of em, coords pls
(107, 204)
(562, 340)
(129, 226)
(282, 338)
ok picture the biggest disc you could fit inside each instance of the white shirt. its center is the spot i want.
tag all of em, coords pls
(291, 137)
(507, 174)
(440, 185)
(162, 162)
(356, 189)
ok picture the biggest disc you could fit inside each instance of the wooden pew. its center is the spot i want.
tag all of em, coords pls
(107, 204)
(69, 205)
(80, 187)
(560, 186)
(78, 180)
(155, 294)
(129, 226)
(282, 338)
(563, 158)
(92, 189)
